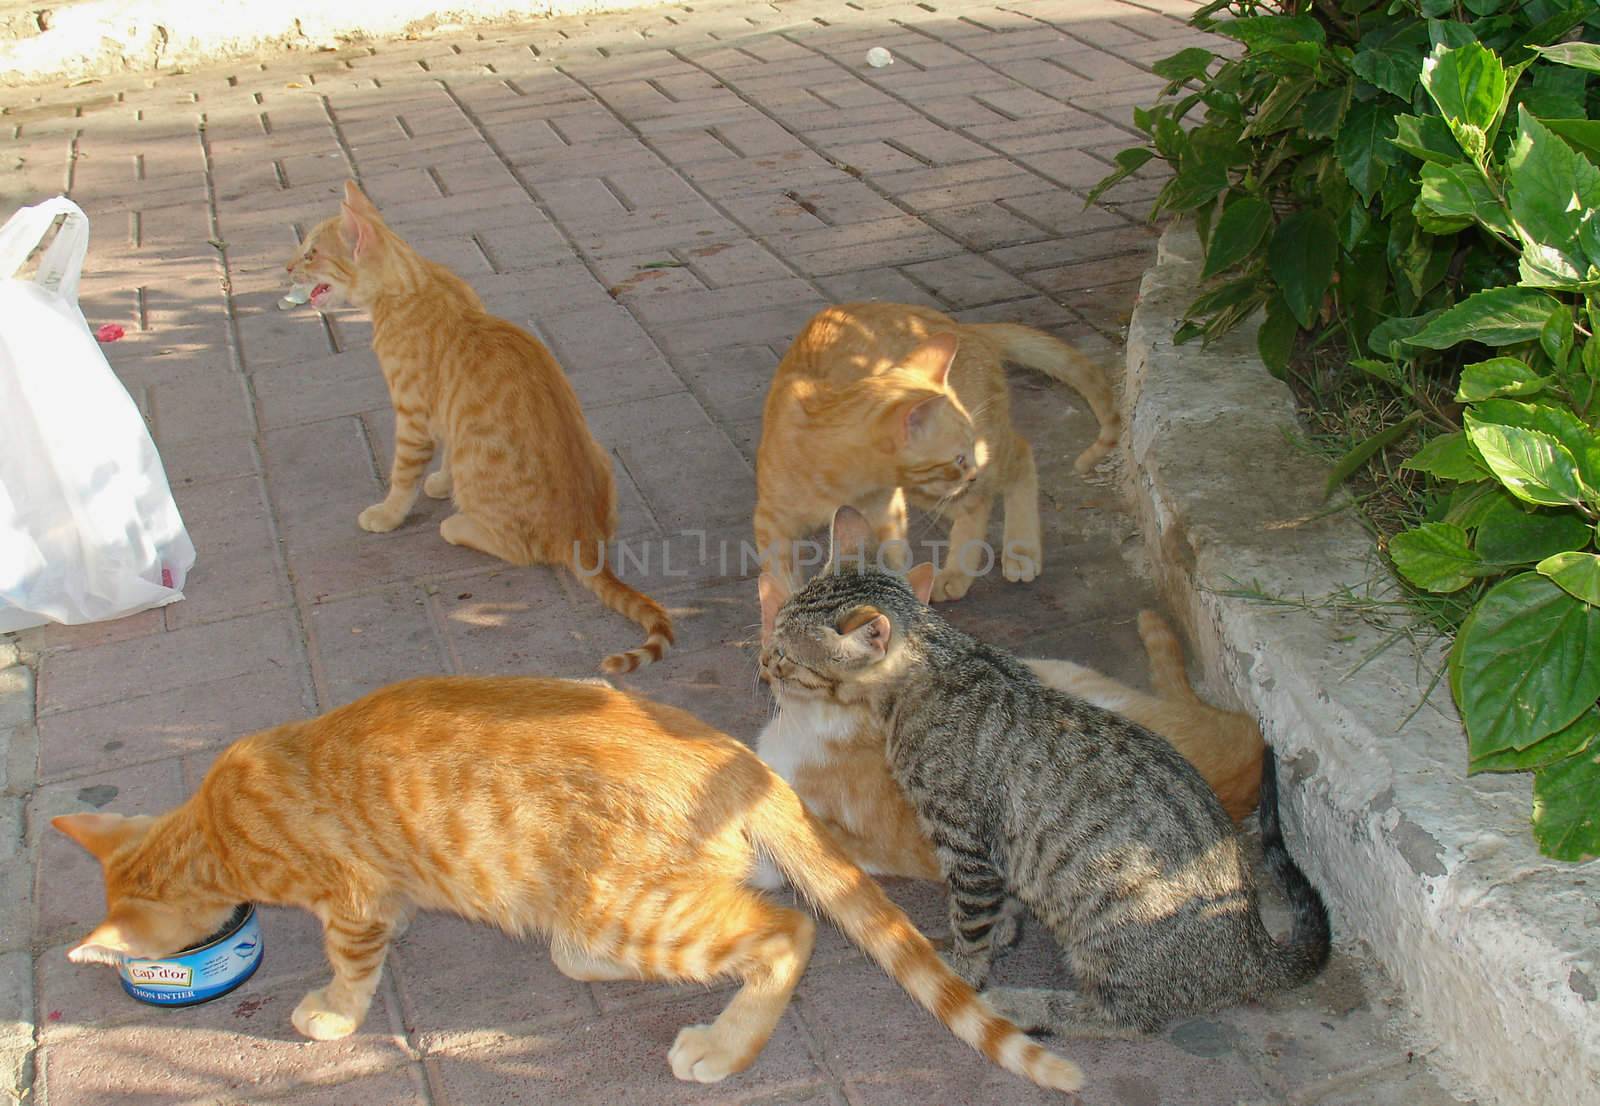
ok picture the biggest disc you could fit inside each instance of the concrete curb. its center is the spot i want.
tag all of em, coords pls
(97, 38)
(1498, 950)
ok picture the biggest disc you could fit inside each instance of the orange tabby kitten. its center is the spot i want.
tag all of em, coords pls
(621, 829)
(1225, 745)
(832, 754)
(875, 403)
(530, 483)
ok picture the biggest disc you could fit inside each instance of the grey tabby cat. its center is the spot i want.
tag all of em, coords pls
(1097, 826)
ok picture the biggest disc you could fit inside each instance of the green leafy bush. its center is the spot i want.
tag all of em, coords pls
(1427, 191)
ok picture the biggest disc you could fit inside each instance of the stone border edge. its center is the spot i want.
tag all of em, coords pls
(1496, 948)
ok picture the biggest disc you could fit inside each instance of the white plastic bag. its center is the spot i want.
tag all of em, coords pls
(88, 528)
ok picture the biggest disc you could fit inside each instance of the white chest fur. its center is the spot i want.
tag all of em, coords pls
(801, 732)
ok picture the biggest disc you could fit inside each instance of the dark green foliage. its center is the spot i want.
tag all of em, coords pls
(1420, 180)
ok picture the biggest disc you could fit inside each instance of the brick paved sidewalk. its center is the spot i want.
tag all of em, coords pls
(665, 197)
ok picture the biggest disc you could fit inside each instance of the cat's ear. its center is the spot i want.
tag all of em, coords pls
(774, 593)
(101, 834)
(921, 580)
(354, 197)
(933, 359)
(867, 632)
(356, 229)
(849, 536)
(915, 419)
(107, 943)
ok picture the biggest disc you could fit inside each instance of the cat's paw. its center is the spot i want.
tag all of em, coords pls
(972, 967)
(950, 586)
(380, 518)
(1007, 931)
(314, 1019)
(1021, 563)
(437, 485)
(699, 1055)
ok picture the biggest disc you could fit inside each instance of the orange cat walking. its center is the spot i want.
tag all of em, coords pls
(878, 403)
(530, 483)
(621, 829)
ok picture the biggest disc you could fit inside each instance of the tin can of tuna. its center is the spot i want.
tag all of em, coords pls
(200, 972)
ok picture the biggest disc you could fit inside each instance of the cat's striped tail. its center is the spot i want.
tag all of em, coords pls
(632, 604)
(1059, 361)
(798, 844)
(1306, 952)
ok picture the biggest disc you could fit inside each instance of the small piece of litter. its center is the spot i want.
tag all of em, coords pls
(878, 57)
(110, 332)
(297, 295)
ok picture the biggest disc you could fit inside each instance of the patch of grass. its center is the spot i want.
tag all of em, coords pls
(1339, 407)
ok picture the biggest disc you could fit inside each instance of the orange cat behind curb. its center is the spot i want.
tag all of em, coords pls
(530, 483)
(621, 829)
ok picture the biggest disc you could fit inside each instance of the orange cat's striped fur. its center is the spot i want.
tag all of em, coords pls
(621, 829)
(878, 403)
(833, 754)
(530, 483)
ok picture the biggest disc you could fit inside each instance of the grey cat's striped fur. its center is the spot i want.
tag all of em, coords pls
(1097, 826)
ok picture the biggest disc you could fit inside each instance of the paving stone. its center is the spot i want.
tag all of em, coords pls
(196, 655)
(309, 391)
(16, 1022)
(985, 226)
(1405, 1083)
(716, 684)
(529, 622)
(462, 984)
(16, 695)
(722, 264)
(54, 636)
(621, 1057)
(361, 643)
(1085, 244)
(240, 571)
(405, 1086)
(845, 202)
(872, 157)
(144, 728)
(211, 1051)
(207, 458)
(320, 477)
(1343, 1036)
(891, 285)
(686, 468)
(16, 997)
(714, 303)
(967, 281)
(885, 1057)
(730, 383)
